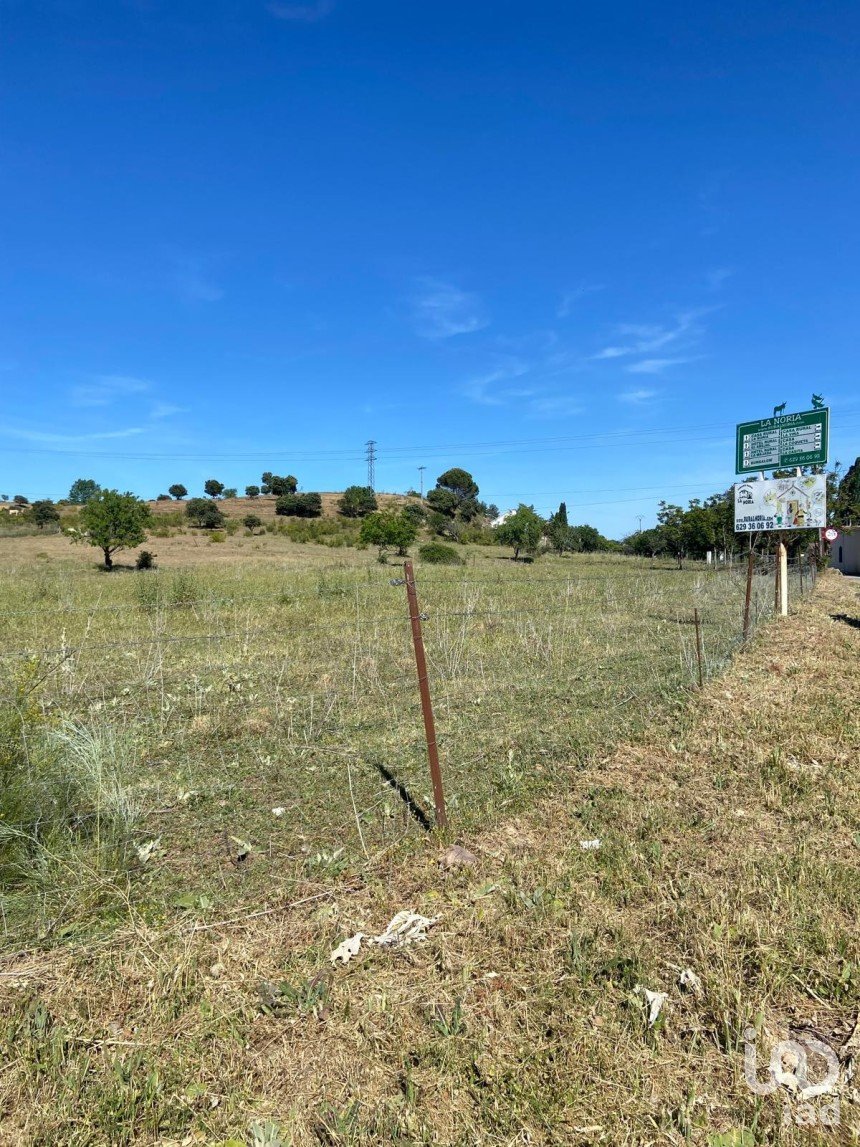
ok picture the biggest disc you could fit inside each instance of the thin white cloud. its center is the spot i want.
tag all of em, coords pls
(570, 298)
(556, 406)
(637, 396)
(717, 276)
(302, 13)
(488, 389)
(645, 338)
(106, 389)
(166, 410)
(71, 439)
(192, 282)
(655, 365)
(442, 310)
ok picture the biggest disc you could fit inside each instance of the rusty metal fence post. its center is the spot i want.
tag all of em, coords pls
(426, 703)
(699, 647)
(748, 599)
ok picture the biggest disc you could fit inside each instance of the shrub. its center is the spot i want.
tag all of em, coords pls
(416, 513)
(145, 561)
(230, 492)
(357, 501)
(299, 505)
(435, 553)
(204, 514)
(252, 522)
(163, 498)
(217, 536)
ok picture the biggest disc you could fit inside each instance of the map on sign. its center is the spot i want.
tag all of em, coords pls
(781, 504)
(785, 440)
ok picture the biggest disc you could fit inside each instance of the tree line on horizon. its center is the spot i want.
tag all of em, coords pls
(451, 511)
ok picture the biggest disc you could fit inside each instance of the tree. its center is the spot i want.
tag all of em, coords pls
(204, 514)
(267, 482)
(213, 487)
(589, 539)
(44, 513)
(697, 531)
(113, 521)
(846, 505)
(387, 530)
(82, 491)
(280, 486)
(299, 505)
(177, 491)
(357, 501)
(564, 539)
(230, 492)
(523, 530)
(559, 518)
(252, 522)
(252, 491)
(456, 495)
(671, 519)
(20, 500)
(647, 543)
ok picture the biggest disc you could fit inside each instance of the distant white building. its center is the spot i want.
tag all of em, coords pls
(845, 551)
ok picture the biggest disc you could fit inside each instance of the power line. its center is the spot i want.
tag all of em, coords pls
(601, 440)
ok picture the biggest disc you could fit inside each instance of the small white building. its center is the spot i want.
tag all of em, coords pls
(845, 551)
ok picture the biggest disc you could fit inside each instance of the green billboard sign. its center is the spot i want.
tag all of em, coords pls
(782, 441)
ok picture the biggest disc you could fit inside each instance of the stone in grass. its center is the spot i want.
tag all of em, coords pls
(455, 856)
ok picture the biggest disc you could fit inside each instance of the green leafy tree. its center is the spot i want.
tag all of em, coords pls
(82, 491)
(177, 491)
(44, 513)
(522, 531)
(113, 521)
(230, 492)
(846, 504)
(283, 485)
(564, 539)
(455, 495)
(357, 502)
(388, 530)
(589, 539)
(213, 487)
(252, 522)
(647, 543)
(697, 531)
(266, 486)
(204, 514)
(671, 525)
(20, 500)
(299, 505)
(559, 518)
(252, 491)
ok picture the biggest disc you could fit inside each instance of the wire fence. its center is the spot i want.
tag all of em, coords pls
(298, 691)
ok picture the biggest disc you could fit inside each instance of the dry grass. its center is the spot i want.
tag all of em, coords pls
(729, 829)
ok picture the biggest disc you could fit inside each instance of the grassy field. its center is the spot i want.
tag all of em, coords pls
(222, 738)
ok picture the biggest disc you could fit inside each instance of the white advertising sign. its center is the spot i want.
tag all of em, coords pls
(781, 504)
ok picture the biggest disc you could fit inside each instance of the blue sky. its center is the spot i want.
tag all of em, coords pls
(564, 245)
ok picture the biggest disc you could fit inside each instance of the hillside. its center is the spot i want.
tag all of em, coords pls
(264, 506)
